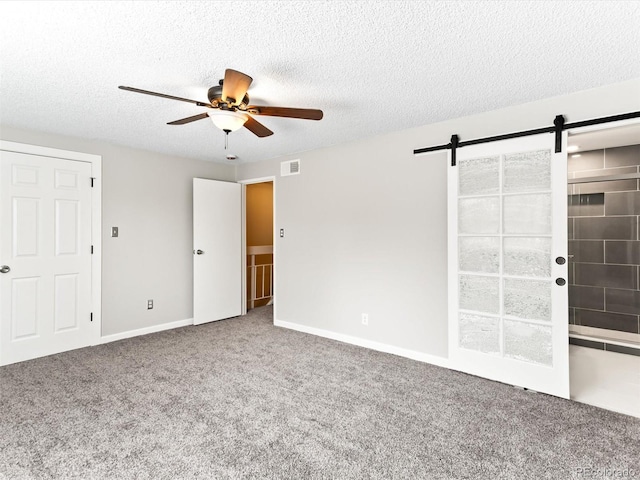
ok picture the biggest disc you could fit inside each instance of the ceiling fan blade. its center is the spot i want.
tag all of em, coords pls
(305, 113)
(235, 86)
(257, 128)
(163, 95)
(182, 121)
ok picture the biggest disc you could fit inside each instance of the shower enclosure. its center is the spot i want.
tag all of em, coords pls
(604, 248)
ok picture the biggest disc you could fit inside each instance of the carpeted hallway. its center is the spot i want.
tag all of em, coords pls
(243, 399)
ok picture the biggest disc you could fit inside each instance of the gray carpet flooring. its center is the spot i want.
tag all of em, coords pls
(241, 398)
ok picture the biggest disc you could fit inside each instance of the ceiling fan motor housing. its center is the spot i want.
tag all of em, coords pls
(214, 94)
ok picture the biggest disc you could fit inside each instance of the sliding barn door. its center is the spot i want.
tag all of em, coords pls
(507, 263)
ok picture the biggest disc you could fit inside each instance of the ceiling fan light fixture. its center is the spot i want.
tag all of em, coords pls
(227, 120)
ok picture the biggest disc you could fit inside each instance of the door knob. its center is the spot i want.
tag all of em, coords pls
(199, 252)
(5, 269)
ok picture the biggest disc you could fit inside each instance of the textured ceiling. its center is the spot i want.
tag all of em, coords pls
(371, 66)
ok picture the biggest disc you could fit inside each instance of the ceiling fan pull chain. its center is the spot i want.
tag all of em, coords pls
(226, 138)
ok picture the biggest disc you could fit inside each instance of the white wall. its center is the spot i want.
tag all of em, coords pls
(366, 223)
(149, 197)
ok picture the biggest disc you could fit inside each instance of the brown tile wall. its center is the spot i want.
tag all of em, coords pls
(604, 281)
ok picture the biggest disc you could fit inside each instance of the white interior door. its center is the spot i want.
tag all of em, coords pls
(507, 263)
(217, 246)
(45, 251)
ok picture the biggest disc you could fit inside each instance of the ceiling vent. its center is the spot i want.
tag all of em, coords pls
(292, 167)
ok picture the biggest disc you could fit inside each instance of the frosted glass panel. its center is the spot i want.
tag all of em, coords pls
(527, 298)
(527, 214)
(479, 176)
(480, 333)
(479, 215)
(479, 254)
(480, 294)
(527, 257)
(528, 342)
(527, 172)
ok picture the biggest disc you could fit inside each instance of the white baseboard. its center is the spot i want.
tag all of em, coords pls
(145, 331)
(361, 342)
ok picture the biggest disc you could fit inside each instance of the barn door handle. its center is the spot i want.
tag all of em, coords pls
(5, 269)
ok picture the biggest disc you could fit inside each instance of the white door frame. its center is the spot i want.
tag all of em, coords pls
(603, 126)
(96, 218)
(244, 183)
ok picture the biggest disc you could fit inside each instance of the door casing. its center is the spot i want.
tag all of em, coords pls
(244, 240)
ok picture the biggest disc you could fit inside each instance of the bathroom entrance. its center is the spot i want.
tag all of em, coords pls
(604, 247)
(604, 263)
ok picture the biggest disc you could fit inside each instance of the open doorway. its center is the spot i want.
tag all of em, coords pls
(604, 264)
(259, 244)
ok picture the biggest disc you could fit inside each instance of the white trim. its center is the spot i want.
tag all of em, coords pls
(260, 250)
(243, 252)
(602, 334)
(452, 260)
(601, 126)
(145, 331)
(96, 241)
(612, 341)
(257, 180)
(47, 151)
(370, 344)
(96, 217)
(274, 289)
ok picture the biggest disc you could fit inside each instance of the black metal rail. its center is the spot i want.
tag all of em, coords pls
(558, 127)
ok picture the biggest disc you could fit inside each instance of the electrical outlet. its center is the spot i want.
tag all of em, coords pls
(149, 304)
(365, 319)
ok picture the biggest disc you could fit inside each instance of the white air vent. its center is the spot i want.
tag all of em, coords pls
(292, 167)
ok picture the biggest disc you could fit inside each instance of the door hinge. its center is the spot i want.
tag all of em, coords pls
(92, 179)
(91, 249)
(91, 317)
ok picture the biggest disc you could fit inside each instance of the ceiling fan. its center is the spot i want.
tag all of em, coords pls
(230, 107)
